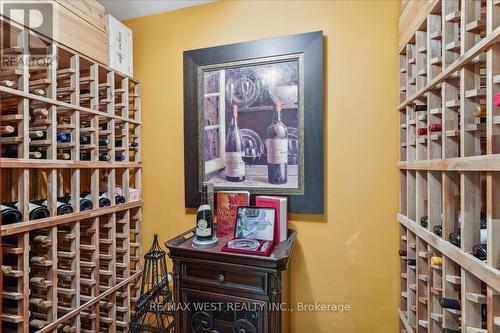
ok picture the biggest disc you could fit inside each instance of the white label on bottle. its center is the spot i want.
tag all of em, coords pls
(235, 167)
(277, 151)
(483, 236)
(202, 230)
(2, 207)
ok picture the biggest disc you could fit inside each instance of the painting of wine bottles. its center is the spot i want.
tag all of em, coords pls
(252, 125)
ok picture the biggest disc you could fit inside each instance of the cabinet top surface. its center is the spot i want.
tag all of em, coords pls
(182, 246)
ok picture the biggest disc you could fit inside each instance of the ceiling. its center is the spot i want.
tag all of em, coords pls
(126, 9)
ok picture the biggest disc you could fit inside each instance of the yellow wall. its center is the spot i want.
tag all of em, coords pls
(349, 254)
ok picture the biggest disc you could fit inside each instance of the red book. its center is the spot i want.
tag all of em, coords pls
(281, 206)
(227, 206)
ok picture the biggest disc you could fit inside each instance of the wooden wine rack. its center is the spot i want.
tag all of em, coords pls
(450, 64)
(87, 278)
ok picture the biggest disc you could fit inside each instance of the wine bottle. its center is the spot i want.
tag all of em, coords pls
(36, 154)
(235, 167)
(411, 262)
(64, 328)
(38, 324)
(84, 156)
(119, 199)
(204, 222)
(479, 251)
(10, 215)
(63, 156)
(435, 127)
(62, 137)
(422, 131)
(450, 303)
(7, 83)
(36, 302)
(403, 253)
(41, 239)
(85, 204)
(120, 158)
(40, 113)
(36, 212)
(37, 135)
(6, 269)
(103, 201)
(84, 140)
(62, 207)
(104, 157)
(421, 107)
(451, 330)
(39, 92)
(424, 221)
(479, 111)
(437, 261)
(38, 260)
(437, 230)
(40, 281)
(454, 238)
(104, 142)
(277, 149)
(6, 129)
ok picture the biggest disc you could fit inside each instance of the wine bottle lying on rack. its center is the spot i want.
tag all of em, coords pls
(424, 221)
(63, 156)
(6, 129)
(36, 212)
(38, 260)
(38, 135)
(85, 204)
(438, 230)
(451, 330)
(437, 261)
(479, 251)
(62, 207)
(119, 199)
(411, 262)
(84, 140)
(6, 269)
(41, 239)
(63, 137)
(36, 280)
(450, 303)
(403, 253)
(454, 237)
(10, 215)
(103, 201)
(120, 158)
(37, 323)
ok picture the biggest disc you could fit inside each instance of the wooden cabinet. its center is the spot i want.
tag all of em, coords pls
(226, 292)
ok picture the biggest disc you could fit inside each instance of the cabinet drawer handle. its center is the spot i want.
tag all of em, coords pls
(220, 278)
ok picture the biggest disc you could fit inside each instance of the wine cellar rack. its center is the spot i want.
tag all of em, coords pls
(70, 128)
(450, 169)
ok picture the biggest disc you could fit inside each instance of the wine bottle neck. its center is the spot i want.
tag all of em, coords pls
(204, 199)
(277, 116)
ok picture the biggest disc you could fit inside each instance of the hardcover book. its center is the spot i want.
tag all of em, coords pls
(227, 205)
(281, 206)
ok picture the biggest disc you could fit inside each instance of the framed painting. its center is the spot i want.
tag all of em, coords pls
(253, 119)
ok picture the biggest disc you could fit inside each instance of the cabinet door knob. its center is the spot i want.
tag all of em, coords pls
(220, 278)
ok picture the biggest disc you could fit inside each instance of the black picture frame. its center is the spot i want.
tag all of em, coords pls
(310, 46)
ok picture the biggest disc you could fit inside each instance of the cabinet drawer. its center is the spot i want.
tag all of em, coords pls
(226, 277)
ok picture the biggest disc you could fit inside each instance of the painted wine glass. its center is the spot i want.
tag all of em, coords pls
(250, 156)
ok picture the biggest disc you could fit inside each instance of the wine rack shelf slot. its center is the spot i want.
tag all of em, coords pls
(449, 163)
(70, 198)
